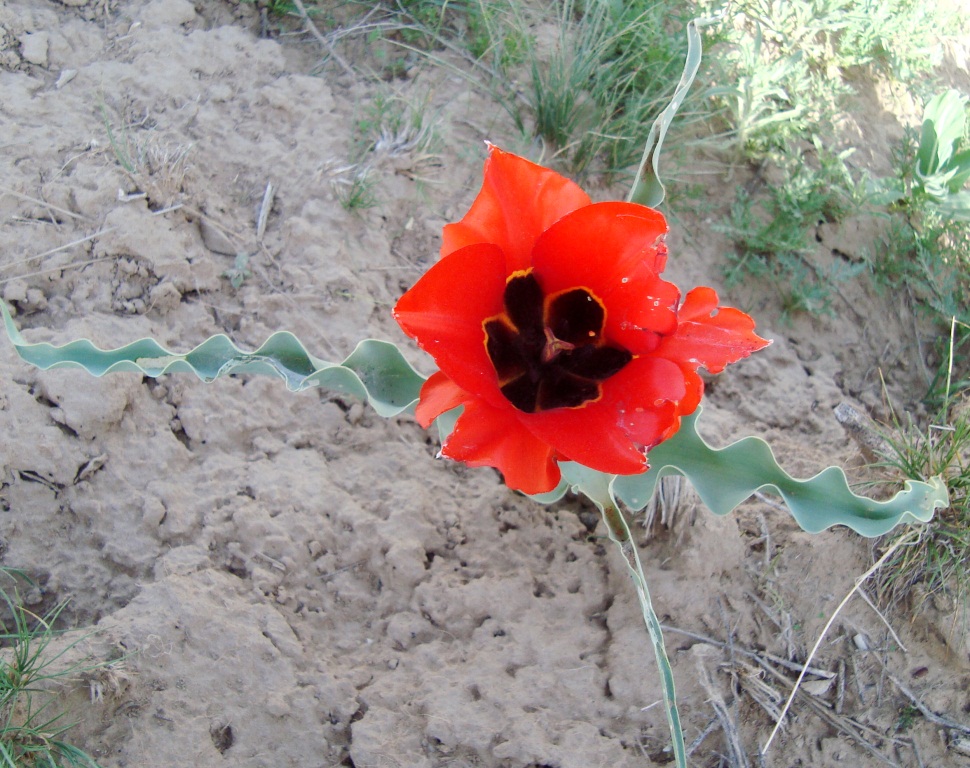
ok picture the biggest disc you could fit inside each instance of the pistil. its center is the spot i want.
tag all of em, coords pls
(554, 347)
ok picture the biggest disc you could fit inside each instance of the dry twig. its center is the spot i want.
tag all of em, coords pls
(722, 710)
(828, 625)
(324, 41)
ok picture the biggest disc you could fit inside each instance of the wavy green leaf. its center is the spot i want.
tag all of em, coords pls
(375, 371)
(647, 189)
(725, 477)
(378, 373)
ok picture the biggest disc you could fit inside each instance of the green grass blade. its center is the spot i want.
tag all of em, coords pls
(74, 756)
(375, 371)
(7, 758)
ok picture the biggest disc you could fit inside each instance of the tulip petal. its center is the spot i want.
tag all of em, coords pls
(637, 410)
(552, 327)
(695, 390)
(444, 312)
(518, 201)
(616, 251)
(438, 395)
(710, 335)
(494, 437)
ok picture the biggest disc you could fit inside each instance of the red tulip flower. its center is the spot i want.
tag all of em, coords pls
(551, 325)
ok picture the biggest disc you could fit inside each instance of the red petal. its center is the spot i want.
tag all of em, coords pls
(698, 302)
(709, 335)
(695, 390)
(637, 410)
(438, 395)
(494, 437)
(518, 201)
(444, 312)
(616, 251)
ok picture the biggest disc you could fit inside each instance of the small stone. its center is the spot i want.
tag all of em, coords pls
(36, 300)
(276, 706)
(942, 601)
(315, 548)
(33, 47)
(33, 596)
(214, 239)
(165, 297)
(153, 513)
(818, 687)
(65, 77)
(15, 290)
(355, 414)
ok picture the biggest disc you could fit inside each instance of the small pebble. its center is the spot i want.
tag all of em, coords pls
(65, 77)
(33, 47)
(355, 414)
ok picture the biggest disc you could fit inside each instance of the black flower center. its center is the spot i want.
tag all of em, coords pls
(548, 351)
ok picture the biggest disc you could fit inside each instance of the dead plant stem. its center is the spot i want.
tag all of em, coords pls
(828, 625)
(791, 665)
(321, 38)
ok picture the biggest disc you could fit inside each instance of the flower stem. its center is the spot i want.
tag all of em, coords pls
(619, 533)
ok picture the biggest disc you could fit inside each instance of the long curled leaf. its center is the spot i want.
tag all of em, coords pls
(725, 477)
(647, 189)
(378, 373)
(375, 371)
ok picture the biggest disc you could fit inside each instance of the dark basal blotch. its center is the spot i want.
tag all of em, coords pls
(549, 352)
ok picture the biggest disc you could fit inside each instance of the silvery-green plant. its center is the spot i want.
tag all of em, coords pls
(935, 177)
(943, 158)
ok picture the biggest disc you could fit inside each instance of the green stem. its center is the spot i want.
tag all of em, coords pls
(619, 533)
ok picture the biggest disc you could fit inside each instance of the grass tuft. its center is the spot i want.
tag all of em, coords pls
(32, 730)
(938, 564)
(598, 84)
(773, 235)
(358, 192)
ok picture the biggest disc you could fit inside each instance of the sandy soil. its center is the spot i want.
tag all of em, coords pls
(293, 581)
